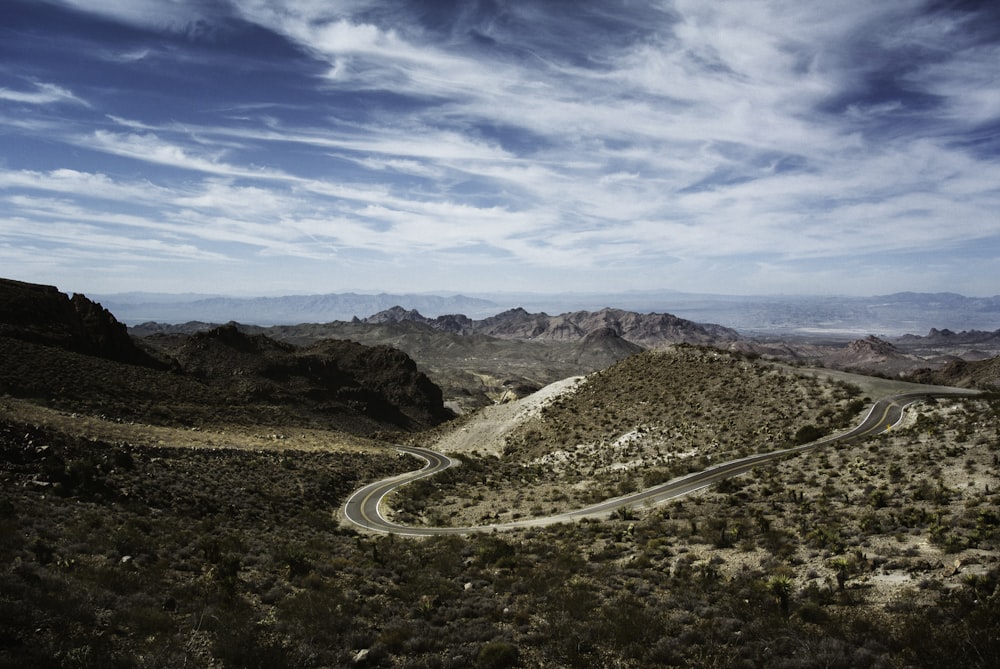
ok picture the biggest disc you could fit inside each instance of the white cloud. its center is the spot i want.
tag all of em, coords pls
(152, 149)
(96, 242)
(185, 16)
(43, 94)
(724, 131)
(968, 81)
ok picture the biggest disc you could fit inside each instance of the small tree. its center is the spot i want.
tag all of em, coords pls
(842, 570)
(781, 587)
(807, 433)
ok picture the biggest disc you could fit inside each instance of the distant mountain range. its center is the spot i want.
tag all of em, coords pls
(473, 361)
(648, 330)
(135, 308)
(841, 318)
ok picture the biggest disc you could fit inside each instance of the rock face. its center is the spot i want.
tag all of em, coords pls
(43, 315)
(872, 346)
(646, 330)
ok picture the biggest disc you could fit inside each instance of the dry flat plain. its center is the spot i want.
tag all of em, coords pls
(136, 545)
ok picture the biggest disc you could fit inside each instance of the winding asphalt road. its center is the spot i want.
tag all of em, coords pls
(364, 507)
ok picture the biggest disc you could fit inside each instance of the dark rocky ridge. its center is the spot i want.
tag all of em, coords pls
(74, 354)
(43, 315)
(380, 381)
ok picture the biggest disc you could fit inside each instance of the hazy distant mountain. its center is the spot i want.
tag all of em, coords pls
(947, 337)
(139, 308)
(841, 317)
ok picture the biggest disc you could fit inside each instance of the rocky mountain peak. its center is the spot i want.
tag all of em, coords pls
(872, 345)
(396, 314)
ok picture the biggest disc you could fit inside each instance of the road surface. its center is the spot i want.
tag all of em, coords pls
(364, 507)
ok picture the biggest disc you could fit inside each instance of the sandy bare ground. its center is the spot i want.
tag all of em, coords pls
(487, 429)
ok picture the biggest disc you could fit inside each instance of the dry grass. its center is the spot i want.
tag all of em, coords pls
(240, 437)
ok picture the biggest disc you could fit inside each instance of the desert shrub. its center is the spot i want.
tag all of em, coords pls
(806, 434)
(495, 550)
(497, 655)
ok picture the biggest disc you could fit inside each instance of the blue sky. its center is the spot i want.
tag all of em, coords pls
(265, 147)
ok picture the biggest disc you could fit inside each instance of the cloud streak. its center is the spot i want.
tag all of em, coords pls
(43, 94)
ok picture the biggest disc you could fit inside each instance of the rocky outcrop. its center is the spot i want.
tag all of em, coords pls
(43, 315)
(871, 346)
(871, 355)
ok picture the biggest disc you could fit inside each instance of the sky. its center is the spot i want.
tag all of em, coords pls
(272, 147)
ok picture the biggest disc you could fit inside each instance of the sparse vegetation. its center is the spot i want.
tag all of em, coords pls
(121, 555)
(643, 421)
(140, 534)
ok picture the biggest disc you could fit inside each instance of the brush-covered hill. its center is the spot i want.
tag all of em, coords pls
(71, 353)
(651, 416)
(963, 373)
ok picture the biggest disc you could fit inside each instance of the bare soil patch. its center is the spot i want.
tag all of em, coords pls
(242, 437)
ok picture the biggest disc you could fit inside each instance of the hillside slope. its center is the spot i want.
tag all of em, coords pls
(648, 418)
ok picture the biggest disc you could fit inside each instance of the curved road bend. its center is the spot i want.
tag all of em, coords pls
(363, 508)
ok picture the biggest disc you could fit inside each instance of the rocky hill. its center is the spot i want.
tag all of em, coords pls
(74, 354)
(963, 373)
(872, 354)
(380, 382)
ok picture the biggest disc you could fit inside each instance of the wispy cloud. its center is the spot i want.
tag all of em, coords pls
(593, 143)
(42, 94)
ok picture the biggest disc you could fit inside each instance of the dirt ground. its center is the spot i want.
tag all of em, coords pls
(487, 429)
